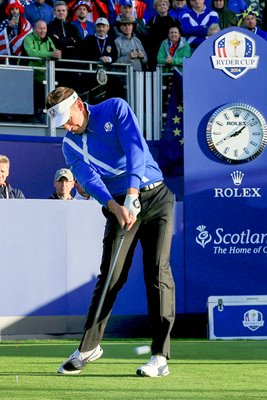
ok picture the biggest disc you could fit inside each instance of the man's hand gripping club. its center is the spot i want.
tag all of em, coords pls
(127, 213)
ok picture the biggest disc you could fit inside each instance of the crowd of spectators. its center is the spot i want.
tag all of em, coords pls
(89, 30)
(70, 23)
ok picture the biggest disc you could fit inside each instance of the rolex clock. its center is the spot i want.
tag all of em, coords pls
(236, 132)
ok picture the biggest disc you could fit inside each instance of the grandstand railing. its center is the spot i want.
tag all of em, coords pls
(142, 90)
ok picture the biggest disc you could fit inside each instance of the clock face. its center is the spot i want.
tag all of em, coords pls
(236, 132)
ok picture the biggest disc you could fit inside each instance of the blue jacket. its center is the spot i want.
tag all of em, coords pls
(7, 192)
(195, 26)
(36, 11)
(260, 32)
(90, 28)
(111, 155)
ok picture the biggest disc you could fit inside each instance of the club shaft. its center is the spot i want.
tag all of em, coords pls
(109, 276)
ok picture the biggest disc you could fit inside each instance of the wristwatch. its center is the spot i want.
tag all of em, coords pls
(236, 132)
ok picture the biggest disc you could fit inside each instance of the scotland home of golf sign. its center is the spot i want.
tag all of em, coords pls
(225, 114)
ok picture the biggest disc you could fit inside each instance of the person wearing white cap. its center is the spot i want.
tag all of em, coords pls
(64, 183)
(100, 46)
(110, 158)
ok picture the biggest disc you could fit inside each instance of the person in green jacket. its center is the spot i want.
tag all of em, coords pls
(38, 44)
(173, 50)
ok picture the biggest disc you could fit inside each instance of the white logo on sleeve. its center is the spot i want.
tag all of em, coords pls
(108, 126)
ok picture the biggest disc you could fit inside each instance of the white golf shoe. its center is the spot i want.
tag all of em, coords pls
(77, 361)
(156, 366)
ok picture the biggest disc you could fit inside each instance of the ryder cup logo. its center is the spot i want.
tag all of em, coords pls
(253, 320)
(234, 54)
(108, 126)
(203, 237)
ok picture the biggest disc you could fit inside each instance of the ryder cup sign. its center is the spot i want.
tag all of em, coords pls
(225, 194)
(234, 54)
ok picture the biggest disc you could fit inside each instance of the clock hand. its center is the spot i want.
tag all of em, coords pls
(236, 133)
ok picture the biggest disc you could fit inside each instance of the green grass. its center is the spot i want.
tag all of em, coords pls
(200, 370)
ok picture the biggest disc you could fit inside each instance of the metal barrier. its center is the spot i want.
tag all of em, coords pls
(142, 90)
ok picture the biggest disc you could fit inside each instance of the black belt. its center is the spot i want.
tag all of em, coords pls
(151, 186)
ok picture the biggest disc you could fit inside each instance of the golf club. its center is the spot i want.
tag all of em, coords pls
(109, 276)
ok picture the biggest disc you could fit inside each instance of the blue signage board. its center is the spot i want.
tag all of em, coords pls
(225, 131)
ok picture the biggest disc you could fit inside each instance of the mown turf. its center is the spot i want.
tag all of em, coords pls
(200, 370)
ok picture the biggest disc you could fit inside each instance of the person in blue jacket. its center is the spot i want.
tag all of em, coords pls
(196, 22)
(38, 9)
(84, 26)
(108, 155)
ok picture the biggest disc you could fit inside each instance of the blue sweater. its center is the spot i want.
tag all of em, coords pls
(195, 26)
(36, 11)
(111, 155)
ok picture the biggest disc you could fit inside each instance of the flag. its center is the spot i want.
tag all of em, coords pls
(104, 8)
(4, 44)
(221, 48)
(171, 145)
(16, 42)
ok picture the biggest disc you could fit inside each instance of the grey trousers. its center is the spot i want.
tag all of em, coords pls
(154, 228)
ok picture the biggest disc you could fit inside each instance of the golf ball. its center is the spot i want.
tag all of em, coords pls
(142, 350)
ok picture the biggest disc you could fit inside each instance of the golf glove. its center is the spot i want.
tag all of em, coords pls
(132, 204)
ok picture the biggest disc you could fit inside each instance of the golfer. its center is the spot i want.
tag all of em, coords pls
(109, 157)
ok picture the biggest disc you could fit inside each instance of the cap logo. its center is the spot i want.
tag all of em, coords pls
(52, 112)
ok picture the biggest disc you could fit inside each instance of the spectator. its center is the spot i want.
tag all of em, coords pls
(130, 48)
(196, 22)
(126, 8)
(6, 191)
(158, 30)
(37, 10)
(178, 9)
(84, 26)
(65, 36)
(102, 48)
(38, 44)
(15, 28)
(227, 18)
(64, 183)
(173, 50)
(214, 28)
(138, 10)
(248, 21)
(98, 8)
(99, 47)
